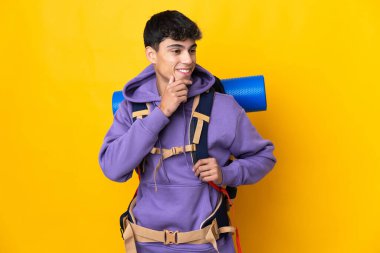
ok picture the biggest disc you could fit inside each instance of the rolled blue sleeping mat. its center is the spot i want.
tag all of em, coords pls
(117, 98)
(248, 91)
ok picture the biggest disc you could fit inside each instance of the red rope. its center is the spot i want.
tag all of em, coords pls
(238, 241)
(225, 193)
(222, 190)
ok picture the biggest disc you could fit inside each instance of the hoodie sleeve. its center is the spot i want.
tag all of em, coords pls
(125, 144)
(254, 155)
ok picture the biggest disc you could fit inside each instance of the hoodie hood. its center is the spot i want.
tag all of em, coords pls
(143, 88)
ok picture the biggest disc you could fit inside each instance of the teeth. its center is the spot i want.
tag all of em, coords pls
(184, 70)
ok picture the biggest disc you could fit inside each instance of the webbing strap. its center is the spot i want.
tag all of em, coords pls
(200, 119)
(129, 239)
(201, 116)
(140, 110)
(209, 234)
(198, 129)
(195, 104)
(140, 114)
(166, 153)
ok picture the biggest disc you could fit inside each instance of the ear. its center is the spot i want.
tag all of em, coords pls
(151, 54)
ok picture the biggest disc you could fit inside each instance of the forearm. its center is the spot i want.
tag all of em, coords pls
(250, 169)
(124, 149)
(254, 155)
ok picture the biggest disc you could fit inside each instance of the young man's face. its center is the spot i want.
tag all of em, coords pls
(175, 58)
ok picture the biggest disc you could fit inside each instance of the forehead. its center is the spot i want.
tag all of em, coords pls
(168, 42)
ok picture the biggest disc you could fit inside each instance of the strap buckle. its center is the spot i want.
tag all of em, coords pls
(176, 150)
(170, 237)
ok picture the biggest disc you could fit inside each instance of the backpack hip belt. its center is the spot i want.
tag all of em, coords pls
(132, 232)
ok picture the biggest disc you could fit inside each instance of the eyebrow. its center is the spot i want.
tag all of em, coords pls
(181, 46)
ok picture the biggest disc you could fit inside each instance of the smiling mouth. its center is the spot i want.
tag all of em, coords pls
(185, 71)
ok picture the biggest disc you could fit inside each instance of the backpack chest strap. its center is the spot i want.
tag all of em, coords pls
(166, 153)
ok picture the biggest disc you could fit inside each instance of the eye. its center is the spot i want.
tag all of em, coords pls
(193, 51)
(176, 51)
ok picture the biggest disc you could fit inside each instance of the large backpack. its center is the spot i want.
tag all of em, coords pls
(204, 108)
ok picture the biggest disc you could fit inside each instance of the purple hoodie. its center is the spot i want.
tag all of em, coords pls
(182, 202)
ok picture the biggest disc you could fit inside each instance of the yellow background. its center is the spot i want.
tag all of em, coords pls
(61, 61)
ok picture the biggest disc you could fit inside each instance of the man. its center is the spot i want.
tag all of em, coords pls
(175, 194)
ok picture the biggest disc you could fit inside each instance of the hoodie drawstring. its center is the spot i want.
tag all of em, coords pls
(160, 162)
(155, 172)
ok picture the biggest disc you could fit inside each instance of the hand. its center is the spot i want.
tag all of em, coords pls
(208, 170)
(173, 95)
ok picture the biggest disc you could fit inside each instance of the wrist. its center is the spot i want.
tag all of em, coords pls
(164, 111)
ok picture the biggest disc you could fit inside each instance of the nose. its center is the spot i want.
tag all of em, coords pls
(186, 58)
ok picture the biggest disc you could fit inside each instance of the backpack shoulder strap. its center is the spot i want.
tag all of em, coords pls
(199, 125)
(139, 110)
(218, 86)
(201, 119)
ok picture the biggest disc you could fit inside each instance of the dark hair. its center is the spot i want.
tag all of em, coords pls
(169, 24)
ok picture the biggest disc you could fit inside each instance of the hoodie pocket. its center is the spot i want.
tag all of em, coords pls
(173, 207)
(176, 207)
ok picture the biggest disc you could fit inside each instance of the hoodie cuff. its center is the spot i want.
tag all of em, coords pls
(155, 121)
(230, 174)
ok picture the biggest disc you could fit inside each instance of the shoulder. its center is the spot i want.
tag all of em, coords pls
(225, 109)
(226, 103)
(224, 119)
